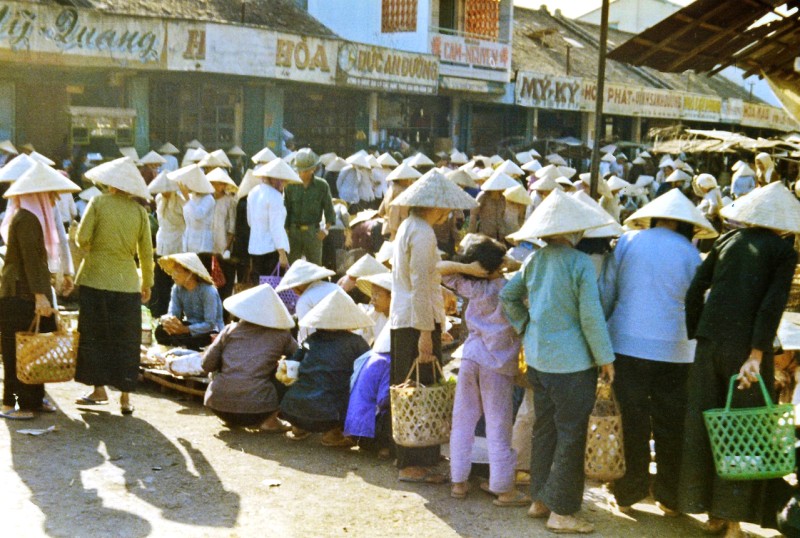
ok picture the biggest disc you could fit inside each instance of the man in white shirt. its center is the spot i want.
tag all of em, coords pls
(266, 216)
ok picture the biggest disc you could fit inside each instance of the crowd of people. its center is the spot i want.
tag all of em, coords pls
(664, 287)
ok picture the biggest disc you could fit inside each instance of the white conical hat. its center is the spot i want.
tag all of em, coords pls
(278, 169)
(609, 230)
(616, 183)
(772, 206)
(196, 155)
(36, 156)
(121, 174)
(8, 147)
(420, 159)
(248, 182)
(382, 280)
(545, 184)
(610, 148)
(189, 261)
(168, 149)
(336, 312)
(621, 155)
(130, 152)
(210, 161)
(327, 158)
(518, 195)
(220, 155)
(676, 206)
(152, 158)
(560, 214)
(666, 161)
(487, 161)
(644, 181)
(523, 157)
(458, 157)
(744, 170)
(387, 161)
(17, 166)
(495, 160)
(532, 166)
(363, 216)
(335, 165)
(677, 175)
(556, 159)
(373, 162)
(499, 182)
(484, 173)
(385, 253)
(603, 189)
(608, 158)
(706, 181)
(555, 171)
(366, 265)
(290, 157)
(535, 154)
(162, 184)
(194, 144)
(738, 164)
(261, 306)
(40, 178)
(462, 178)
(236, 151)
(193, 178)
(89, 193)
(220, 175)
(645, 155)
(403, 171)
(435, 190)
(510, 168)
(639, 160)
(564, 182)
(264, 156)
(358, 159)
(302, 272)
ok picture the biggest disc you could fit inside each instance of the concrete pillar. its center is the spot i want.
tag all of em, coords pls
(636, 134)
(587, 127)
(273, 119)
(531, 123)
(372, 104)
(7, 110)
(139, 99)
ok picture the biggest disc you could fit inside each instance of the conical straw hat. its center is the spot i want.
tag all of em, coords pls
(676, 206)
(193, 178)
(358, 159)
(610, 148)
(220, 175)
(152, 158)
(621, 155)
(264, 156)
(518, 195)
(248, 182)
(556, 159)
(373, 162)
(261, 306)
(336, 312)
(499, 182)
(40, 178)
(382, 280)
(385, 253)
(220, 155)
(609, 230)
(645, 155)
(510, 168)
(211, 161)
(387, 161)
(603, 189)
(745, 171)
(302, 272)
(644, 181)
(194, 144)
(639, 160)
(120, 174)
(560, 214)
(17, 166)
(289, 158)
(495, 160)
(706, 181)
(772, 206)
(196, 155)
(236, 151)
(366, 265)
(678, 176)
(189, 261)
(484, 173)
(666, 161)
(89, 193)
(278, 169)
(564, 182)
(738, 164)
(336, 165)
(327, 158)
(36, 156)
(555, 171)
(616, 183)
(162, 184)
(8, 147)
(523, 157)
(608, 158)
(363, 216)
(532, 166)
(435, 190)
(168, 149)
(462, 178)
(545, 184)
(420, 159)
(487, 161)
(458, 157)
(131, 153)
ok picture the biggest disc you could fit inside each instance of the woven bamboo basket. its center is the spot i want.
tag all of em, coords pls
(46, 357)
(605, 456)
(422, 416)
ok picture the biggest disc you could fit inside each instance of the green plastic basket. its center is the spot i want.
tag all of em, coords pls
(752, 443)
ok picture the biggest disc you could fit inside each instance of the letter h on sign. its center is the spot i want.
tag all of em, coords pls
(195, 45)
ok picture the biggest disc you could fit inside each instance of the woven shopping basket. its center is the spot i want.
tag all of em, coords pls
(289, 297)
(752, 443)
(46, 357)
(422, 416)
(605, 453)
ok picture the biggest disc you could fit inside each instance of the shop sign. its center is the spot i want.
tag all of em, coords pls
(306, 59)
(770, 117)
(70, 32)
(471, 58)
(632, 101)
(732, 111)
(220, 48)
(701, 107)
(389, 70)
(547, 91)
(471, 85)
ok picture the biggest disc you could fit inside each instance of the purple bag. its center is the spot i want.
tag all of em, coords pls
(289, 297)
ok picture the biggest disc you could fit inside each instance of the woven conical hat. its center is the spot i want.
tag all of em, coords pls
(358, 159)
(336, 165)
(336, 312)
(545, 184)
(236, 151)
(189, 261)
(556, 159)
(220, 155)
(462, 178)
(744, 170)
(603, 189)
(676, 206)
(131, 153)
(420, 159)
(738, 164)
(195, 155)
(517, 195)
(210, 161)
(608, 158)
(532, 166)
(609, 230)
(168, 149)
(194, 144)
(610, 148)
(645, 155)
(621, 155)
(8, 147)
(385, 253)
(523, 157)
(327, 158)
(278, 169)
(560, 214)
(499, 182)
(484, 173)
(290, 157)
(248, 182)
(152, 158)
(435, 190)
(458, 157)
(373, 161)
(36, 156)
(193, 178)
(616, 183)
(220, 175)
(40, 178)
(162, 184)
(678, 176)
(510, 168)
(363, 216)
(387, 161)
(302, 272)
(644, 181)
(89, 193)
(366, 265)
(382, 280)
(17, 166)
(772, 206)
(666, 161)
(555, 171)
(121, 174)
(565, 182)
(261, 306)
(639, 160)
(495, 160)
(264, 156)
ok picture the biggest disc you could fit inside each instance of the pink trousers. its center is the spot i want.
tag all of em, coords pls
(479, 391)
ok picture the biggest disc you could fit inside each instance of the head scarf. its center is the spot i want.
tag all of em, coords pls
(39, 204)
(765, 178)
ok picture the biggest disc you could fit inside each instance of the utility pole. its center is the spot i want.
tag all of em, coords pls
(599, 123)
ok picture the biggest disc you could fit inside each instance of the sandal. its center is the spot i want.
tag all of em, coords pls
(296, 434)
(460, 490)
(85, 400)
(572, 525)
(17, 414)
(428, 477)
(485, 487)
(519, 499)
(126, 409)
(538, 510)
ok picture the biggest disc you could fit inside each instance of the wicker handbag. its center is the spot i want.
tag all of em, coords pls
(605, 455)
(422, 416)
(46, 357)
(289, 297)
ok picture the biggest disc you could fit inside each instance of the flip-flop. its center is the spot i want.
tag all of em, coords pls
(460, 493)
(520, 499)
(277, 429)
(297, 436)
(430, 477)
(85, 400)
(17, 414)
(581, 527)
(47, 407)
(485, 487)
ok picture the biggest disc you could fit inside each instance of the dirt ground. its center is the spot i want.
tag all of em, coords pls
(172, 470)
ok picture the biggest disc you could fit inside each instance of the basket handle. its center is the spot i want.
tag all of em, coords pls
(37, 319)
(761, 385)
(415, 370)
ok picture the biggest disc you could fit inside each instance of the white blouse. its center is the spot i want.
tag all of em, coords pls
(198, 213)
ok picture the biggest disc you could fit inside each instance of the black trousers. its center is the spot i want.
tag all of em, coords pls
(16, 315)
(264, 264)
(244, 420)
(189, 341)
(162, 290)
(652, 399)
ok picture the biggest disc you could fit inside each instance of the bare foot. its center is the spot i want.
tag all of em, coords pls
(421, 474)
(568, 524)
(459, 490)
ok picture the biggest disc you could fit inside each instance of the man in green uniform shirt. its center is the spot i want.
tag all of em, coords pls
(305, 206)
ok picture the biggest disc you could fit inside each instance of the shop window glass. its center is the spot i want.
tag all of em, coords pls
(181, 112)
(482, 18)
(398, 16)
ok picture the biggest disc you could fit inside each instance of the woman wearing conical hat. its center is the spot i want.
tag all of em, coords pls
(765, 170)
(169, 236)
(733, 307)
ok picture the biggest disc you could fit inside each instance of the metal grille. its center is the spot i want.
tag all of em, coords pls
(399, 16)
(482, 18)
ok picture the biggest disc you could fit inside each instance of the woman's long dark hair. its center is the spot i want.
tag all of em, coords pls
(686, 229)
(486, 251)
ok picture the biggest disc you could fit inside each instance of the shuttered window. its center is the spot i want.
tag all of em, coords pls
(398, 16)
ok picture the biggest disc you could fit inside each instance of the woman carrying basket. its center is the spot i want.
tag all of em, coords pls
(28, 229)
(749, 273)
